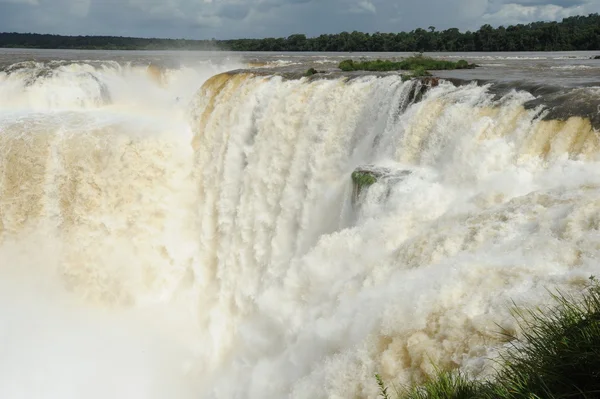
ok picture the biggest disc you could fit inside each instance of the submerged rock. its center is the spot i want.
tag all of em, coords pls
(418, 90)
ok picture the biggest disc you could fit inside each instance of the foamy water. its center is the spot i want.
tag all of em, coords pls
(156, 242)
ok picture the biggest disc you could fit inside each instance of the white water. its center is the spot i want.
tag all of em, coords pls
(150, 254)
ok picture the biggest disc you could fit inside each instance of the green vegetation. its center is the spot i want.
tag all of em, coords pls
(363, 178)
(446, 385)
(311, 72)
(347, 65)
(418, 63)
(462, 64)
(383, 390)
(573, 33)
(419, 72)
(559, 354)
(558, 357)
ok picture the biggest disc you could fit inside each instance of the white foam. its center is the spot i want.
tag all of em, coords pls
(93, 84)
(315, 295)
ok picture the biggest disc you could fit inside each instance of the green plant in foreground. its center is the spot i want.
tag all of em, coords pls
(557, 357)
(447, 385)
(383, 390)
(559, 353)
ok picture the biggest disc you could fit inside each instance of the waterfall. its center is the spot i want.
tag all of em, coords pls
(226, 241)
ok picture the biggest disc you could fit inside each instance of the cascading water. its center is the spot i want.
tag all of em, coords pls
(226, 254)
(96, 237)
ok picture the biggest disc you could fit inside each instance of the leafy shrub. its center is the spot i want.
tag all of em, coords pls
(408, 64)
(347, 65)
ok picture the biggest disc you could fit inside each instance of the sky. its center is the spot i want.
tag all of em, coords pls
(227, 19)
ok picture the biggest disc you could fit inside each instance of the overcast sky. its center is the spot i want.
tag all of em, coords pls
(224, 19)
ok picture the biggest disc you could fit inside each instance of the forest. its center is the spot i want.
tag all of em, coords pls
(573, 33)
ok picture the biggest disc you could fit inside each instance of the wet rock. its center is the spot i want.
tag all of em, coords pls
(367, 175)
(311, 72)
(430, 81)
(417, 91)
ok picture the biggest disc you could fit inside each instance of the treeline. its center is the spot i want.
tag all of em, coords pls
(573, 33)
(34, 40)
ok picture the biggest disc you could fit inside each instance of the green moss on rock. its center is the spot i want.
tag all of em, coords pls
(363, 178)
(311, 72)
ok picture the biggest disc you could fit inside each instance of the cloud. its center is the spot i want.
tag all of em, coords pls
(363, 7)
(560, 3)
(235, 11)
(272, 18)
(30, 2)
(79, 8)
(510, 12)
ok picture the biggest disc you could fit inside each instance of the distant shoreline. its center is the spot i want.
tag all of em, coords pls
(578, 33)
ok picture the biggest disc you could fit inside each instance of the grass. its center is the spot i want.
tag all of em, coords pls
(383, 390)
(557, 357)
(416, 62)
(419, 72)
(559, 353)
(447, 385)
